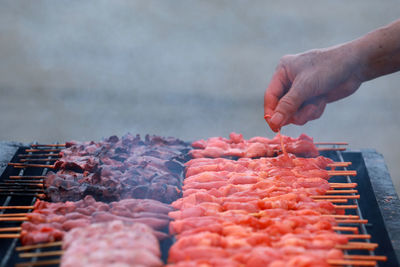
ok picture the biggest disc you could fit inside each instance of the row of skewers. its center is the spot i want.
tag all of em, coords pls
(338, 193)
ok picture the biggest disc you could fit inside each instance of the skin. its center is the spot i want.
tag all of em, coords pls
(303, 84)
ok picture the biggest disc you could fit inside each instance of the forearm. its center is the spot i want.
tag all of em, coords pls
(378, 52)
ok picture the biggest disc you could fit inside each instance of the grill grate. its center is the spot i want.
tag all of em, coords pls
(365, 205)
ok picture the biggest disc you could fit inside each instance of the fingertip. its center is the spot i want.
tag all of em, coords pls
(273, 127)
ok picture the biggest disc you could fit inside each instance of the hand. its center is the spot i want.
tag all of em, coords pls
(303, 84)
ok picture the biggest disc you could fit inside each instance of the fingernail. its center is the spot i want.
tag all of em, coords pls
(277, 119)
(267, 117)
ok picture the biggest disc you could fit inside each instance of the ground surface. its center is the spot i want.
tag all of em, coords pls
(191, 69)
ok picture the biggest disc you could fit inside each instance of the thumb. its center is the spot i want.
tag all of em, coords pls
(288, 106)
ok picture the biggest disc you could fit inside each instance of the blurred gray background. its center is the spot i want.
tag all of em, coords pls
(85, 70)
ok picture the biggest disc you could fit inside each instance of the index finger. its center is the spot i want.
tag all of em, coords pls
(275, 90)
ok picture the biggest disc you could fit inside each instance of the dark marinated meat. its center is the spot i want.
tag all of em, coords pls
(116, 168)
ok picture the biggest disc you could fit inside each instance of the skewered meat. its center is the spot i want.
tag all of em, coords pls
(111, 244)
(49, 221)
(237, 146)
(116, 168)
(259, 207)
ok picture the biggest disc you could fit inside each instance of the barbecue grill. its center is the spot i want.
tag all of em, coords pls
(379, 203)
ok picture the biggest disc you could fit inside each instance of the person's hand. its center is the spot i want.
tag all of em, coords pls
(303, 84)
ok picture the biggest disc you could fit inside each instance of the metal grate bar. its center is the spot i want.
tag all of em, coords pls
(11, 248)
(358, 210)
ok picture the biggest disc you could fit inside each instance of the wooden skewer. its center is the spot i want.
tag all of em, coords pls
(352, 221)
(42, 150)
(16, 207)
(37, 160)
(38, 190)
(331, 149)
(23, 194)
(335, 197)
(331, 143)
(343, 185)
(13, 214)
(39, 263)
(358, 245)
(355, 236)
(45, 245)
(365, 257)
(13, 219)
(39, 155)
(10, 229)
(24, 165)
(338, 216)
(345, 206)
(346, 229)
(342, 173)
(19, 185)
(7, 236)
(25, 182)
(351, 191)
(352, 262)
(339, 164)
(41, 254)
(47, 145)
(332, 200)
(28, 177)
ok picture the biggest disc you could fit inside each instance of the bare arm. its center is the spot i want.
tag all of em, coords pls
(303, 84)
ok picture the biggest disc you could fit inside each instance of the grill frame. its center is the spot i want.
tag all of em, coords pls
(379, 202)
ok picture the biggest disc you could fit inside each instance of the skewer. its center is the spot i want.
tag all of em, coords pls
(24, 165)
(2, 189)
(358, 245)
(365, 257)
(45, 245)
(28, 177)
(335, 197)
(13, 219)
(338, 216)
(39, 263)
(345, 206)
(352, 221)
(42, 150)
(343, 185)
(341, 191)
(345, 228)
(352, 262)
(355, 236)
(39, 155)
(13, 214)
(17, 184)
(37, 160)
(26, 183)
(332, 200)
(342, 173)
(10, 229)
(47, 145)
(332, 143)
(339, 164)
(41, 254)
(9, 236)
(23, 194)
(331, 148)
(16, 207)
